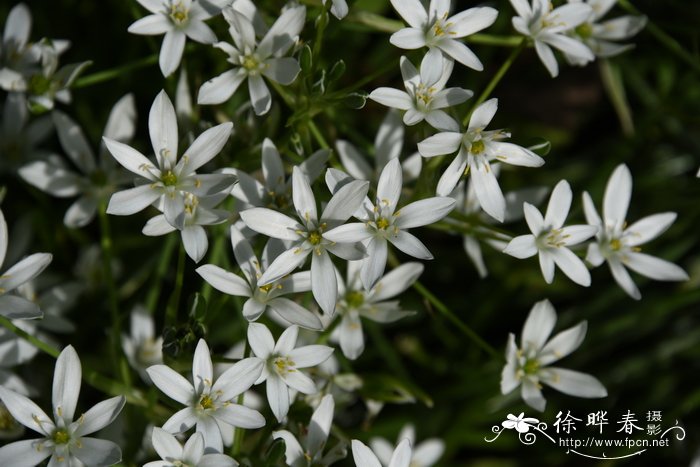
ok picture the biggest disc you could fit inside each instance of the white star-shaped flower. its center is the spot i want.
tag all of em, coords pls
(210, 404)
(384, 222)
(192, 454)
(172, 179)
(178, 20)
(63, 439)
(551, 240)
(283, 362)
(477, 148)
(253, 60)
(364, 457)
(528, 365)
(547, 27)
(141, 346)
(425, 94)
(619, 244)
(434, 28)
(424, 454)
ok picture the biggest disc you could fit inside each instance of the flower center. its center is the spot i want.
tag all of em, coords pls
(441, 28)
(315, 237)
(584, 30)
(39, 84)
(169, 178)
(60, 436)
(477, 147)
(615, 244)
(531, 366)
(206, 402)
(555, 238)
(251, 63)
(383, 223)
(424, 94)
(355, 299)
(283, 365)
(178, 13)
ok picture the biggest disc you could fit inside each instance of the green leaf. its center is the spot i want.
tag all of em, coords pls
(355, 100)
(306, 60)
(337, 71)
(275, 454)
(614, 87)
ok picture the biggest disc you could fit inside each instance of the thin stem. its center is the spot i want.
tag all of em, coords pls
(497, 77)
(115, 337)
(454, 319)
(161, 270)
(174, 304)
(669, 42)
(107, 75)
(38, 343)
(317, 135)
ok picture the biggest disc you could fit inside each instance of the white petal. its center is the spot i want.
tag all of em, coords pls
(569, 46)
(181, 421)
(293, 452)
(563, 344)
(548, 59)
(283, 265)
(509, 376)
(424, 212)
(547, 266)
(408, 38)
(171, 383)
(534, 218)
(26, 270)
(171, 51)
(532, 395)
(133, 200)
(303, 197)
(26, 412)
(559, 204)
(18, 25)
(514, 154)
(402, 455)
(294, 313)
(461, 53)
(300, 382)
(487, 190)
(590, 211)
(363, 456)
(14, 307)
(483, 114)
(277, 397)
(323, 282)
(121, 123)
(320, 425)
(240, 416)
(51, 178)
(151, 25)
(622, 277)
(412, 11)
(73, 142)
(353, 161)
(260, 340)
(194, 447)
(648, 228)
(450, 177)
(439, 120)
(202, 368)
(390, 184)
(194, 238)
(222, 87)
(253, 309)
(282, 70)
(349, 233)
(538, 325)
(224, 281)
(574, 383)
(26, 453)
(206, 146)
(428, 452)
(287, 341)
(200, 32)
(162, 127)
(472, 20)
(617, 196)
(165, 444)
(654, 268)
(522, 247)
(238, 378)
(345, 202)
(97, 452)
(259, 94)
(391, 97)
(572, 266)
(271, 223)
(351, 337)
(100, 415)
(310, 355)
(575, 234)
(66, 384)
(373, 266)
(283, 32)
(130, 158)
(81, 212)
(410, 245)
(439, 144)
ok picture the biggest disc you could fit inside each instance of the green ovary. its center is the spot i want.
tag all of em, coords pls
(585, 30)
(477, 147)
(355, 299)
(169, 178)
(531, 366)
(60, 436)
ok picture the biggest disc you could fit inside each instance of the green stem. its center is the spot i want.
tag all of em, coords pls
(161, 270)
(454, 319)
(174, 304)
(106, 243)
(107, 75)
(39, 344)
(497, 77)
(317, 135)
(669, 42)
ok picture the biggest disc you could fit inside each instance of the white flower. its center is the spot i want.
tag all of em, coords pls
(210, 404)
(172, 179)
(384, 222)
(63, 439)
(521, 424)
(364, 457)
(141, 346)
(547, 27)
(261, 298)
(477, 149)
(424, 454)
(528, 365)
(425, 94)
(283, 363)
(619, 244)
(357, 302)
(13, 306)
(191, 454)
(178, 20)
(387, 146)
(339, 8)
(254, 60)
(309, 235)
(313, 440)
(599, 37)
(198, 213)
(276, 190)
(433, 28)
(96, 178)
(551, 240)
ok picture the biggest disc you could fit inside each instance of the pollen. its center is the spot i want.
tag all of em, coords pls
(615, 244)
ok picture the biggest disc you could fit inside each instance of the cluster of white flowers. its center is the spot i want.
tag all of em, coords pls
(305, 237)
